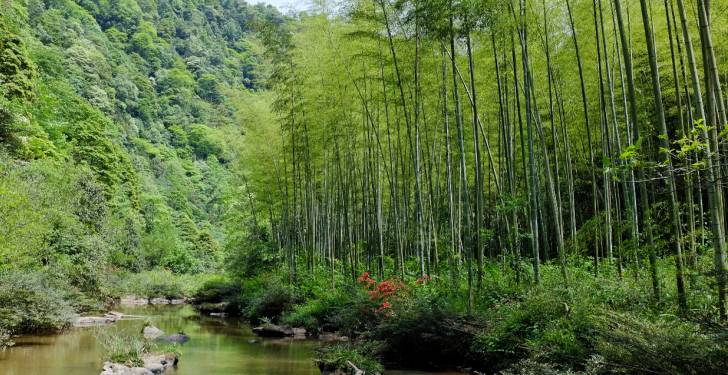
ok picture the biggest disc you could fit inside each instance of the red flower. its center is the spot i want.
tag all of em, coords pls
(364, 277)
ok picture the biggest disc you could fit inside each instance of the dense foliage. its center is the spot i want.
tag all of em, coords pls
(119, 133)
(555, 166)
(426, 137)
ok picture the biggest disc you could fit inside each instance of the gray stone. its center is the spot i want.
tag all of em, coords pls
(299, 333)
(92, 321)
(154, 364)
(151, 332)
(273, 330)
(159, 363)
(159, 301)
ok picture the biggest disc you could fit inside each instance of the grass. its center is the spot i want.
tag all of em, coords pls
(119, 346)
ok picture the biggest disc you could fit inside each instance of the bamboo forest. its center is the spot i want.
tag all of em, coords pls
(404, 187)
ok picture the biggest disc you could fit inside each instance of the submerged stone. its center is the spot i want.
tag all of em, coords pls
(177, 338)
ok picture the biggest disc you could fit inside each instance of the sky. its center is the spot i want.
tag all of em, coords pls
(284, 5)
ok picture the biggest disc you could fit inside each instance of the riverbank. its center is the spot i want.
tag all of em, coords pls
(32, 303)
(606, 323)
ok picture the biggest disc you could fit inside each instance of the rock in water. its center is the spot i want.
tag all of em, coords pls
(158, 364)
(177, 338)
(119, 369)
(154, 364)
(152, 332)
(133, 301)
(159, 301)
(272, 330)
(91, 321)
(299, 333)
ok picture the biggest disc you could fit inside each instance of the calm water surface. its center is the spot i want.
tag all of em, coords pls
(217, 346)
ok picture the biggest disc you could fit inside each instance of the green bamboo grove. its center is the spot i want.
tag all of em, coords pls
(433, 137)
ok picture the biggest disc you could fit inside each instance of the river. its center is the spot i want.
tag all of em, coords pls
(218, 346)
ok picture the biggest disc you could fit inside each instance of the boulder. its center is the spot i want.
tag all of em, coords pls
(133, 301)
(180, 301)
(177, 338)
(159, 301)
(152, 332)
(119, 369)
(273, 330)
(207, 307)
(159, 363)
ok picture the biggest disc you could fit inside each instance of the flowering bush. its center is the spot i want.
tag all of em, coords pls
(382, 293)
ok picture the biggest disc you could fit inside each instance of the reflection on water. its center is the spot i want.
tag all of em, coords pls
(217, 346)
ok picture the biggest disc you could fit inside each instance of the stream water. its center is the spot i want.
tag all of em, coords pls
(217, 347)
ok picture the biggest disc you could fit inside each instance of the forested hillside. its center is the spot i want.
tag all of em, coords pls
(120, 128)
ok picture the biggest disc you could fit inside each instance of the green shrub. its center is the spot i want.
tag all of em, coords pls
(421, 330)
(514, 324)
(160, 283)
(666, 346)
(531, 367)
(338, 357)
(269, 302)
(29, 304)
(334, 311)
(218, 293)
(216, 289)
